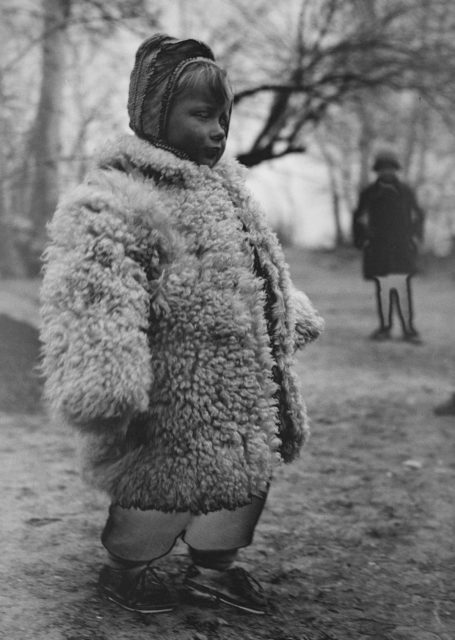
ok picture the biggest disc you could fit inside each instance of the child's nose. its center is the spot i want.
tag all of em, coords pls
(217, 132)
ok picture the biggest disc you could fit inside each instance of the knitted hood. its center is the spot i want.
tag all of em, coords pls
(159, 62)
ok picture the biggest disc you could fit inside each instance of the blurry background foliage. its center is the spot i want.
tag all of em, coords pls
(328, 80)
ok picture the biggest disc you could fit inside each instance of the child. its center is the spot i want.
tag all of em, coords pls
(387, 224)
(169, 328)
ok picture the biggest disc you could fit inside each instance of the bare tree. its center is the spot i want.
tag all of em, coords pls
(334, 55)
(13, 120)
(44, 142)
(49, 29)
(296, 64)
(10, 261)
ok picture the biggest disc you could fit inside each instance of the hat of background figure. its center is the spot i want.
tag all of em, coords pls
(159, 61)
(386, 160)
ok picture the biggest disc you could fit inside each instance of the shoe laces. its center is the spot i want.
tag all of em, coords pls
(245, 579)
(147, 581)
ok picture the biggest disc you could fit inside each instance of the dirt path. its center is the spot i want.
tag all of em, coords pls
(357, 539)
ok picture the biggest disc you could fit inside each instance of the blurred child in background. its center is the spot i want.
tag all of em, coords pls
(387, 226)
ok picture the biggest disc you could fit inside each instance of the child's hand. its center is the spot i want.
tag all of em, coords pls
(309, 324)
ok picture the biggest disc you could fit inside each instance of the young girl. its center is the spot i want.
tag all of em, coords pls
(169, 330)
(387, 225)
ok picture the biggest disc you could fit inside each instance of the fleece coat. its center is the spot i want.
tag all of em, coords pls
(156, 344)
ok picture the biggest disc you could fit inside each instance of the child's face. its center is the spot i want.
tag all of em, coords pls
(197, 125)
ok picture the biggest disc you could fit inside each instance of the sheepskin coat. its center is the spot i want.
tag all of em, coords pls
(156, 343)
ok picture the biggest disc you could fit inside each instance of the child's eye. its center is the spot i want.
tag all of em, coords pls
(224, 122)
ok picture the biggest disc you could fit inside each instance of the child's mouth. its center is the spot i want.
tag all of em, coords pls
(212, 152)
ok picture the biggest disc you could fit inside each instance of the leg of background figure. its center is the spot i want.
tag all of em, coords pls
(410, 300)
(382, 298)
(403, 293)
(379, 302)
(391, 304)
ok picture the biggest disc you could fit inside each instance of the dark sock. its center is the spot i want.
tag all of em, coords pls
(217, 559)
(125, 565)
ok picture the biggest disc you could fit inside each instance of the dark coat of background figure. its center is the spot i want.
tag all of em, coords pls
(387, 223)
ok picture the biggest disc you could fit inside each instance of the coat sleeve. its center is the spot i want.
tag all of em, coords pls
(95, 311)
(309, 324)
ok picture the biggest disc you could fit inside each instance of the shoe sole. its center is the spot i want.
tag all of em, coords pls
(216, 596)
(163, 609)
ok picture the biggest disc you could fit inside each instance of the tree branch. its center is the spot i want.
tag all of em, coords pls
(256, 156)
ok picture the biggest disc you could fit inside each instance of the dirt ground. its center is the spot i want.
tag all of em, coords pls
(357, 539)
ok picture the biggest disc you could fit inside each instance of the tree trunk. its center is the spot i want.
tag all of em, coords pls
(44, 148)
(11, 264)
(339, 235)
(366, 137)
(339, 240)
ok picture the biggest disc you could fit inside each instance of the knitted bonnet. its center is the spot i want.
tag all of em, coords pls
(159, 63)
(386, 159)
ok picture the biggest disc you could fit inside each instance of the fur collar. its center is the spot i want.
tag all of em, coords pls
(128, 152)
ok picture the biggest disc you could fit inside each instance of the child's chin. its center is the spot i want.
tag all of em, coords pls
(210, 160)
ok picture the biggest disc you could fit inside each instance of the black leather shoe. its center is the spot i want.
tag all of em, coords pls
(234, 587)
(142, 591)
